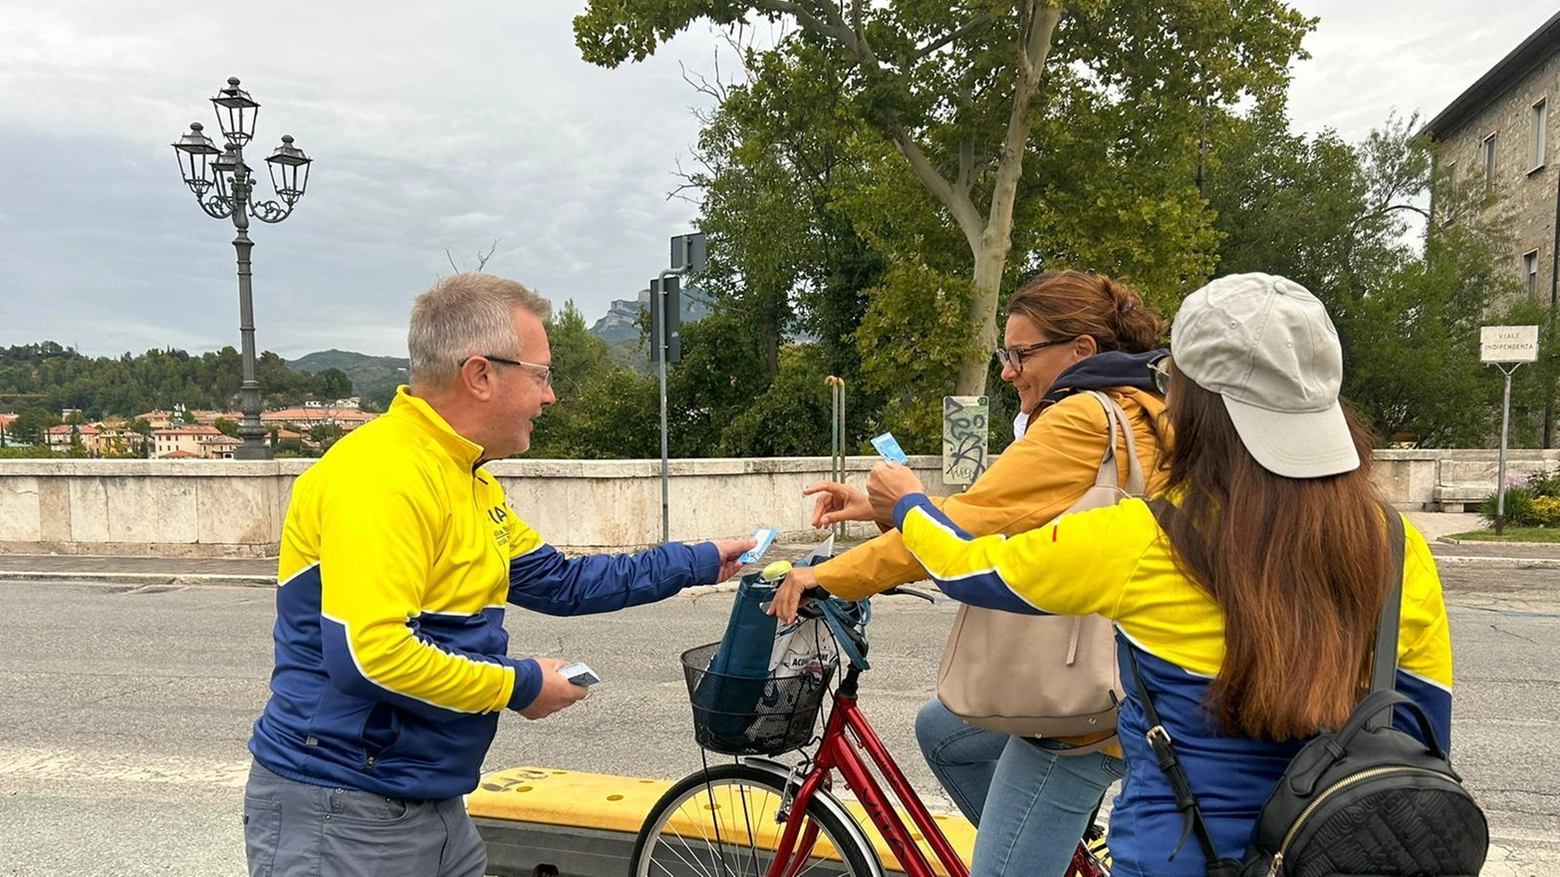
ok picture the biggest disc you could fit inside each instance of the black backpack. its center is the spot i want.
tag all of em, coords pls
(1367, 800)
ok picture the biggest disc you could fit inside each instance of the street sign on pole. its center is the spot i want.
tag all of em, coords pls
(669, 289)
(688, 257)
(689, 253)
(1506, 348)
(1508, 344)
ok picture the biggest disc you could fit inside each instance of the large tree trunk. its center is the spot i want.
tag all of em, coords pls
(989, 262)
(991, 247)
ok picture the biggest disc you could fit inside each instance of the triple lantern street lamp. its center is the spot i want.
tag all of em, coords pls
(224, 188)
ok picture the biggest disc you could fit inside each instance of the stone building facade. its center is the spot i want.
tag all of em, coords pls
(1504, 132)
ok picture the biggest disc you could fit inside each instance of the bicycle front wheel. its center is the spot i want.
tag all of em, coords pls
(724, 823)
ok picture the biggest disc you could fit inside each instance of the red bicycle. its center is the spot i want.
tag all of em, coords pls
(760, 818)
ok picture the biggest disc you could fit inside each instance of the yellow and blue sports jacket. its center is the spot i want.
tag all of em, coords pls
(398, 554)
(1113, 561)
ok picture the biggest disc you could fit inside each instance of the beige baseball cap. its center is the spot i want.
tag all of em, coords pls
(1266, 345)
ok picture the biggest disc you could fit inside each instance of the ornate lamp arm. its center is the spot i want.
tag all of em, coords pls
(269, 211)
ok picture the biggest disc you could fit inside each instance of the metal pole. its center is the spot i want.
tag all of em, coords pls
(658, 292)
(837, 434)
(251, 430)
(1500, 472)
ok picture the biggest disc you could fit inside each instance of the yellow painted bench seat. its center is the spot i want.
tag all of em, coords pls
(618, 803)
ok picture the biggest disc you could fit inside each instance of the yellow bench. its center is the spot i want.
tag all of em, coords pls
(587, 822)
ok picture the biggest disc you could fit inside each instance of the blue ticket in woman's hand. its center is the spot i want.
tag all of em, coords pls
(888, 447)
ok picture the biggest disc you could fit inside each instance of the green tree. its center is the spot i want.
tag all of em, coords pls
(1335, 218)
(325, 434)
(955, 92)
(331, 384)
(226, 426)
(30, 425)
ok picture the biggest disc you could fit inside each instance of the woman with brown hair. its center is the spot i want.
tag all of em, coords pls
(1253, 618)
(1066, 332)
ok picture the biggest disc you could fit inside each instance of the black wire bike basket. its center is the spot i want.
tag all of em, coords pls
(746, 715)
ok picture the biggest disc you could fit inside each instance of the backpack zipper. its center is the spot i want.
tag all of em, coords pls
(1352, 779)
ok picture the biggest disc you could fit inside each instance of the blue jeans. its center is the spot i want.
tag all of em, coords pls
(293, 829)
(1036, 804)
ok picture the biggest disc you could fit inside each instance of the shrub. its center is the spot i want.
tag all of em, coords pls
(1519, 507)
(1531, 501)
(1546, 511)
(1545, 483)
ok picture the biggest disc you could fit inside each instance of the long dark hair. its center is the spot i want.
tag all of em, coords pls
(1299, 567)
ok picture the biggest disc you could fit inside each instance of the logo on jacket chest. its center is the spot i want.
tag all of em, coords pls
(500, 518)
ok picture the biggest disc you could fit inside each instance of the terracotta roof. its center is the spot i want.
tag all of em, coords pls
(188, 430)
(178, 455)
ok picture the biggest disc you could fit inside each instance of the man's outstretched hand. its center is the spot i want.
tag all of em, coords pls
(730, 550)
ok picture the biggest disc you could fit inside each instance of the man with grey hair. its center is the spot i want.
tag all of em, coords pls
(398, 555)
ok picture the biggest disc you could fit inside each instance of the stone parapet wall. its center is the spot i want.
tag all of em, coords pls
(231, 508)
(236, 509)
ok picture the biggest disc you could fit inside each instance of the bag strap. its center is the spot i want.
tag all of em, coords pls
(1161, 743)
(843, 626)
(1192, 822)
(1383, 661)
(1383, 673)
(1109, 475)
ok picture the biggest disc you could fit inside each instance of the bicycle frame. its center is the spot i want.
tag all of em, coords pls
(848, 729)
(848, 742)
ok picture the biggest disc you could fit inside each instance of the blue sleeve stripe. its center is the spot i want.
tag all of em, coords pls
(983, 587)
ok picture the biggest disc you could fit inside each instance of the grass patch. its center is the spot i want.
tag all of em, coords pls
(1513, 534)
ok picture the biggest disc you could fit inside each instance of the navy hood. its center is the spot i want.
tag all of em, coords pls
(1106, 370)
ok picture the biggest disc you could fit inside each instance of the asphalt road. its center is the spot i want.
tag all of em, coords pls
(124, 712)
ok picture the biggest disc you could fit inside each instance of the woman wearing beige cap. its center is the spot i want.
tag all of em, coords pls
(1253, 616)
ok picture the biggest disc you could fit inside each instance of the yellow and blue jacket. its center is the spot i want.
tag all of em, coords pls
(398, 554)
(1114, 562)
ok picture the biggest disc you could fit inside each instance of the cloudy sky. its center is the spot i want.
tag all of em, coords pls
(440, 126)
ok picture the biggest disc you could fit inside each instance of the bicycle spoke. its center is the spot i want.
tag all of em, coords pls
(747, 818)
(692, 863)
(713, 846)
(717, 859)
(669, 872)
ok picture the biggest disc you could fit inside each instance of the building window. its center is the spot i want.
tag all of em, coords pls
(1530, 272)
(1489, 164)
(1540, 132)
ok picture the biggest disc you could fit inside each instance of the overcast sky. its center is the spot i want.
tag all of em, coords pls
(440, 126)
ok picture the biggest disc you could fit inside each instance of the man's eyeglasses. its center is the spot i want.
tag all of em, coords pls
(1160, 368)
(1013, 357)
(545, 370)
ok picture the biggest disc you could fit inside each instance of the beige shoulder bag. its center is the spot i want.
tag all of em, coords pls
(1048, 675)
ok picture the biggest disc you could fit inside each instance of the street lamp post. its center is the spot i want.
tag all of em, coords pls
(224, 188)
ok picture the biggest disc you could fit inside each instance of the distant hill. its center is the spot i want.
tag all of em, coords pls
(374, 378)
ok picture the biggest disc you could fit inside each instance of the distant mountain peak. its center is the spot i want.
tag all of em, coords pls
(622, 320)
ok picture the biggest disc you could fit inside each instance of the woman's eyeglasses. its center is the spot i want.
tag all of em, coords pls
(1013, 357)
(1160, 368)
